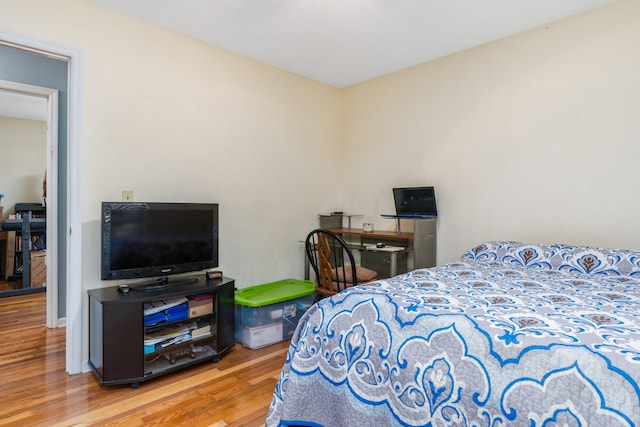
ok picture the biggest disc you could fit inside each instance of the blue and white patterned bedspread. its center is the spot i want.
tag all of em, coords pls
(510, 335)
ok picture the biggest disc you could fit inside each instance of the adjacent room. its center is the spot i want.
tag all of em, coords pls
(528, 132)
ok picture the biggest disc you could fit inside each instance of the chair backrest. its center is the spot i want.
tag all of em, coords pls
(331, 260)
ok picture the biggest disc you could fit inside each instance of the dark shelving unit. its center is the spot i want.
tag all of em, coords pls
(28, 233)
(117, 329)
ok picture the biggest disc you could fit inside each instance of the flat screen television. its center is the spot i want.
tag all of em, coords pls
(151, 239)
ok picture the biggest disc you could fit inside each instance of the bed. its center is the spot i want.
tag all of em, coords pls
(511, 334)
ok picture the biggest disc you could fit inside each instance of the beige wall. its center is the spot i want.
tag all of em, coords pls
(535, 137)
(23, 161)
(530, 138)
(174, 119)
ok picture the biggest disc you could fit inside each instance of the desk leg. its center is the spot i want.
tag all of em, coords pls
(394, 264)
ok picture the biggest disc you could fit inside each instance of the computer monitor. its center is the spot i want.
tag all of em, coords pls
(418, 202)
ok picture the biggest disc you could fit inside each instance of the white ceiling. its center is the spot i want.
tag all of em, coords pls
(345, 42)
(22, 106)
(337, 42)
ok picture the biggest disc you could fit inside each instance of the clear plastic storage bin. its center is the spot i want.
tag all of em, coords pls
(268, 313)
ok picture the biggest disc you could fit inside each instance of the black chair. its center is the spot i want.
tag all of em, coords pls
(333, 263)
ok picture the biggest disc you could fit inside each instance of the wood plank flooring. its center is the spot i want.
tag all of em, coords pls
(36, 391)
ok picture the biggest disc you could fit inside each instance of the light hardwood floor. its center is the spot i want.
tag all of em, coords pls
(36, 391)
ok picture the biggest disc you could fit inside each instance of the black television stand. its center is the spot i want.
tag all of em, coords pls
(122, 346)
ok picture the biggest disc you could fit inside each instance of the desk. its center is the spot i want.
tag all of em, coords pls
(388, 261)
(420, 246)
(393, 252)
(375, 235)
(393, 259)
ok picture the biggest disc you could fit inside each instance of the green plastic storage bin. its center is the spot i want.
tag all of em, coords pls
(268, 313)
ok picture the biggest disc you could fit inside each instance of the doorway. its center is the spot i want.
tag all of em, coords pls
(20, 100)
(71, 210)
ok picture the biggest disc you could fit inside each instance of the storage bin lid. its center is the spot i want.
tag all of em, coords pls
(271, 293)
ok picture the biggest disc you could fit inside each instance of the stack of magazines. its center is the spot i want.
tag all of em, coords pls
(169, 335)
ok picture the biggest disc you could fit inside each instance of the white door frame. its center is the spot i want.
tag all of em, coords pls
(51, 97)
(74, 288)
